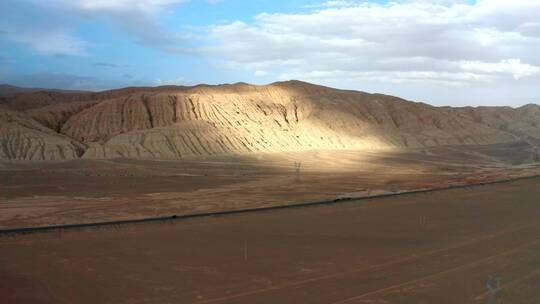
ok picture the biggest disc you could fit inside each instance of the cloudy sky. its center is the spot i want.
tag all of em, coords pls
(483, 52)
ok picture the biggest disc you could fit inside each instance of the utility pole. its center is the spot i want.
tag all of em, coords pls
(422, 220)
(493, 285)
(245, 251)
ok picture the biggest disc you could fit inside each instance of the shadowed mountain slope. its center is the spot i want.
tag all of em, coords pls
(174, 122)
(23, 138)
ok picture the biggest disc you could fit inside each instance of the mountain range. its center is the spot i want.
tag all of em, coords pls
(174, 122)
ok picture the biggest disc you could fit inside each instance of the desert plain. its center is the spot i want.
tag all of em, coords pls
(87, 191)
(439, 247)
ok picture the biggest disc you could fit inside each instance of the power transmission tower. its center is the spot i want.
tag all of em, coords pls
(297, 166)
(236, 165)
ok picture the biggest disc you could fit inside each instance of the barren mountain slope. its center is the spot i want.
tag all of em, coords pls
(54, 116)
(7, 90)
(289, 116)
(23, 138)
(23, 99)
(175, 122)
(523, 123)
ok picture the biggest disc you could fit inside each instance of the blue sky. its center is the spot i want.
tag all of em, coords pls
(440, 52)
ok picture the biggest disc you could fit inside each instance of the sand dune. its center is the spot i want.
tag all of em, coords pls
(176, 122)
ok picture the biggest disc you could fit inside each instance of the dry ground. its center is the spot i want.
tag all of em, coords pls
(82, 191)
(422, 248)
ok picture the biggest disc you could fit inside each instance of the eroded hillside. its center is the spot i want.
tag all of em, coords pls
(176, 122)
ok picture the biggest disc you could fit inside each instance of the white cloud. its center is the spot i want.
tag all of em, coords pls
(49, 26)
(261, 73)
(137, 17)
(55, 81)
(140, 7)
(144, 7)
(511, 66)
(334, 3)
(42, 30)
(390, 77)
(52, 43)
(177, 81)
(438, 42)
